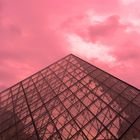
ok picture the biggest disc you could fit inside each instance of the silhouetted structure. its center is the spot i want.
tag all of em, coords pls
(70, 100)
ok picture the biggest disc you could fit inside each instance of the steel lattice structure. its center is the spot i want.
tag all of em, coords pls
(70, 100)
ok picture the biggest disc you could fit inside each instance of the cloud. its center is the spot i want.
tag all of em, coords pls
(23, 55)
(89, 50)
(127, 2)
(26, 44)
(105, 29)
(106, 40)
(33, 34)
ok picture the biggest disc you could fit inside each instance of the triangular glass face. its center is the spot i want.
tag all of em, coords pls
(70, 100)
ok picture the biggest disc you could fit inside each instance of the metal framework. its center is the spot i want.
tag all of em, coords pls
(70, 100)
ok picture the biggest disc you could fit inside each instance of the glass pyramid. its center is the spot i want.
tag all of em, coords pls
(70, 100)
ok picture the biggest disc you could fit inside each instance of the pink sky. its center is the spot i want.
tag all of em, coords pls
(35, 33)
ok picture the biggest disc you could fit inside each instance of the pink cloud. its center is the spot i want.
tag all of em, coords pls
(110, 32)
(33, 35)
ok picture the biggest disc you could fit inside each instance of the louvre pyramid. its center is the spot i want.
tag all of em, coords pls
(70, 100)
